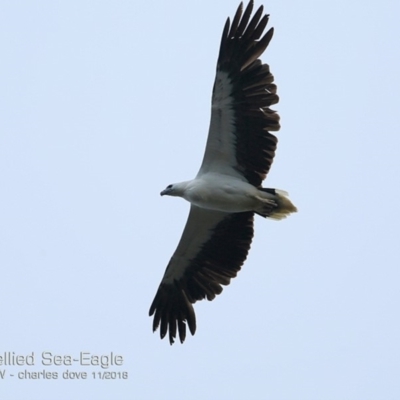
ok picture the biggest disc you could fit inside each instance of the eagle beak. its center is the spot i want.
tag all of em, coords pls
(162, 193)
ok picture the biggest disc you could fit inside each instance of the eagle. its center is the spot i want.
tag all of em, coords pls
(227, 191)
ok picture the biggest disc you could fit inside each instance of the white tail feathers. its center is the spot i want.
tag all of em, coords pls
(285, 206)
(281, 192)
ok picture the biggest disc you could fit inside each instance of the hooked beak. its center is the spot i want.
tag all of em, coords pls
(163, 192)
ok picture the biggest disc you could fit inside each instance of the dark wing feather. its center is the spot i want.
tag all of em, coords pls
(201, 263)
(243, 92)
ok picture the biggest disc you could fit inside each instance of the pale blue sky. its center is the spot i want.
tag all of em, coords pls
(105, 103)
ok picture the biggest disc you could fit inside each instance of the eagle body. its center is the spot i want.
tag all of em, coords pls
(218, 192)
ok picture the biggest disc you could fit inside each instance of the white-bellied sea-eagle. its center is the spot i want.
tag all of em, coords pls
(227, 191)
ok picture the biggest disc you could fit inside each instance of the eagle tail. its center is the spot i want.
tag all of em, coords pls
(276, 204)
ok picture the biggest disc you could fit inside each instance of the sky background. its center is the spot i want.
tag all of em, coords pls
(102, 105)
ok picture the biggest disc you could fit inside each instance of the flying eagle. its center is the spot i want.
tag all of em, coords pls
(227, 191)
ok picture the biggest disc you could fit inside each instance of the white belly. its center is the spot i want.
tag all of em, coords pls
(222, 193)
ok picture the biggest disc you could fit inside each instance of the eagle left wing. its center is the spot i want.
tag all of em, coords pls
(239, 142)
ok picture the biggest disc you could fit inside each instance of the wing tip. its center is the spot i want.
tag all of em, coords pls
(240, 41)
(172, 309)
